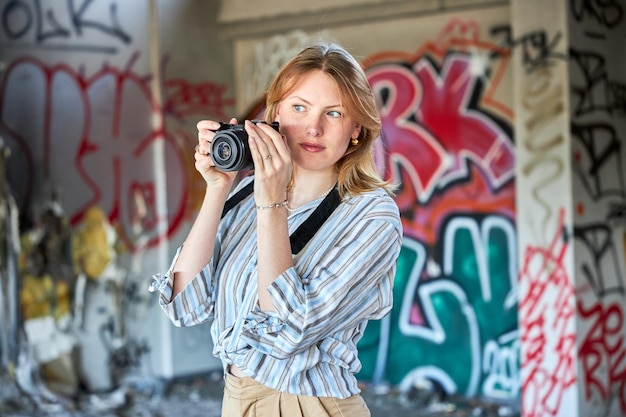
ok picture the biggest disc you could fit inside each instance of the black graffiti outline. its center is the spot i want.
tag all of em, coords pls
(597, 239)
(601, 14)
(7, 10)
(592, 66)
(599, 152)
(597, 236)
(35, 17)
(618, 97)
(58, 29)
(115, 31)
(535, 41)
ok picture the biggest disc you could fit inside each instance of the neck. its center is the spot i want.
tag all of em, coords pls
(303, 192)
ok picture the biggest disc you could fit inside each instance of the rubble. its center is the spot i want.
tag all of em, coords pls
(201, 395)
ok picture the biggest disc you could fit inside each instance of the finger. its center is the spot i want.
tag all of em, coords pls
(257, 158)
(206, 132)
(260, 154)
(275, 143)
(202, 161)
(261, 143)
(275, 139)
(203, 125)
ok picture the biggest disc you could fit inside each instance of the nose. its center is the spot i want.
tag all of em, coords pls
(314, 126)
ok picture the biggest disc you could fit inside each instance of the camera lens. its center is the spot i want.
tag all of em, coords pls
(229, 150)
(223, 151)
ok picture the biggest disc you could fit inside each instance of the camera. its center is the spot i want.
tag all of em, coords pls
(229, 147)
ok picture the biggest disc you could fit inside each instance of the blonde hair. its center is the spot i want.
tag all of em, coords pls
(356, 170)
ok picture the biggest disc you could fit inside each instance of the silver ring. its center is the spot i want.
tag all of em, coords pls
(196, 148)
(268, 156)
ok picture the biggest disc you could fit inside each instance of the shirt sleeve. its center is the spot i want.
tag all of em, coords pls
(351, 282)
(194, 305)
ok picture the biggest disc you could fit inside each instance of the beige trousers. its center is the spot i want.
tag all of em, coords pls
(244, 397)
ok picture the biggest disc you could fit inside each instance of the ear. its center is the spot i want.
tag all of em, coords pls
(356, 131)
(277, 115)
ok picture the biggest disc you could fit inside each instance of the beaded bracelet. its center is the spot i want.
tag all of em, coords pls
(283, 204)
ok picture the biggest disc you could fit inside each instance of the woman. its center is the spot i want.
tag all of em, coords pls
(285, 325)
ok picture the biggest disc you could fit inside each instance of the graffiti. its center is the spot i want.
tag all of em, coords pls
(618, 93)
(538, 50)
(444, 315)
(187, 99)
(83, 127)
(92, 138)
(542, 101)
(595, 92)
(598, 155)
(269, 57)
(39, 23)
(501, 366)
(546, 306)
(597, 130)
(546, 326)
(435, 148)
(449, 145)
(607, 13)
(603, 352)
(452, 108)
(601, 270)
(406, 138)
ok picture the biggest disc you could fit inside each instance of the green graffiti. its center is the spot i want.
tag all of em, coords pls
(457, 323)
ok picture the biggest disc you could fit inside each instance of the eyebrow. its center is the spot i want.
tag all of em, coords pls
(338, 105)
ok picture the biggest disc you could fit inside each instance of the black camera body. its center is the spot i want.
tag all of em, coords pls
(229, 147)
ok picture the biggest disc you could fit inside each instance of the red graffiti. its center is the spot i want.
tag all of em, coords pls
(410, 144)
(443, 147)
(468, 134)
(185, 99)
(603, 351)
(95, 139)
(547, 308)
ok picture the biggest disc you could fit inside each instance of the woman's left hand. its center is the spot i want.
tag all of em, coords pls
(272, 163)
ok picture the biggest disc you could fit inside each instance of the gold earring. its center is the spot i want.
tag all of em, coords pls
(355, 141)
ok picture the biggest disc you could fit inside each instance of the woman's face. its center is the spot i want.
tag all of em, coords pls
(316, 125)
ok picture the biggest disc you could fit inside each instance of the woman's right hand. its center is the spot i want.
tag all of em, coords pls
(204, 163)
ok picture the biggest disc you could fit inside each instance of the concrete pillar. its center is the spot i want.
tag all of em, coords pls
(570, 127)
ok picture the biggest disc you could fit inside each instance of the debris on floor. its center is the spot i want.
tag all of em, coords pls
(201, 396)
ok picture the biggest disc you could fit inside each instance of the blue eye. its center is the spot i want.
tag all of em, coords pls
(298, 107)
(334, 113)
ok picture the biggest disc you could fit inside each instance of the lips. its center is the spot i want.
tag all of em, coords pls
(312, 147)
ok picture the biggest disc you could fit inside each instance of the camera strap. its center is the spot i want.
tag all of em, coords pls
(311, 225)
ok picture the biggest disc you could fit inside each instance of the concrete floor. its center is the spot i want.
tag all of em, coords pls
(200, 396)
